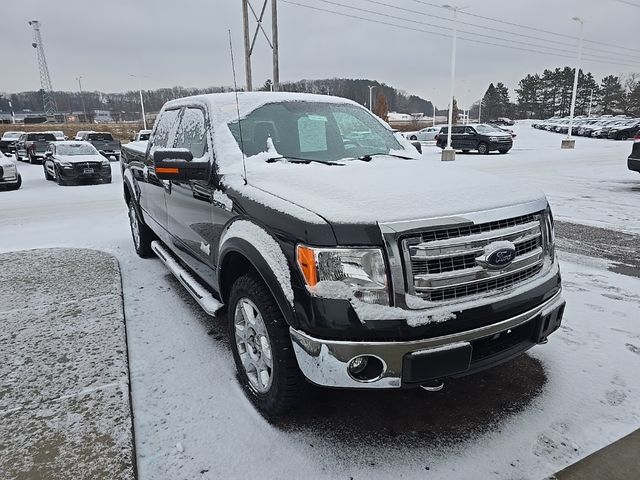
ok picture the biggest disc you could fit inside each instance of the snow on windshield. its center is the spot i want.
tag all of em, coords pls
(76, 149)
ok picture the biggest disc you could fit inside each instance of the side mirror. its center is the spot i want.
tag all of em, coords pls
(418, 146)
(101, 152)
(176, 164)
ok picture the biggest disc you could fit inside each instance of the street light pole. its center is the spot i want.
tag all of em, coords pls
(371, 87)
(590, 103)
(144, 118)
(569, 142)
(84, 108)
(449, 153)
(480, 111)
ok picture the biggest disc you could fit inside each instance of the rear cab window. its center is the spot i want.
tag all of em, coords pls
(100, 137)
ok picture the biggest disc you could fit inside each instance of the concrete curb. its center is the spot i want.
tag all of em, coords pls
(65, 408)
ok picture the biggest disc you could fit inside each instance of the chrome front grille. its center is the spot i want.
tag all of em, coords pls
(441, 263)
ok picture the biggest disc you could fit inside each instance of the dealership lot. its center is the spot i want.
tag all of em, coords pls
(536, 415)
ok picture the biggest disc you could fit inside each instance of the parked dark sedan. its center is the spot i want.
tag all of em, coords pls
(72, 162)
(624, 132)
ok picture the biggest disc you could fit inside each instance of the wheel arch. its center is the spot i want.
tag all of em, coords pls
(238, 257)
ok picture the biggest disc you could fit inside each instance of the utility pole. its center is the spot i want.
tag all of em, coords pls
(144, 117)
(84, 108)
(569, 142)
(449, 153)
(371, 87)
(50, 107)
(250, 42)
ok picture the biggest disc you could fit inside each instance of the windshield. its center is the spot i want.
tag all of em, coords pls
(12, 135)
(76, 149)
(144, 136)
(41, 137)
(316, 131)
(99, 136)
(488, 129)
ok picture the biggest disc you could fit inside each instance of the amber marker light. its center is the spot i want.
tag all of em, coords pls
(307, 263)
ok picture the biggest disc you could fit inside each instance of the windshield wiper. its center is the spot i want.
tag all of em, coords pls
(369, 156)
(305, 161)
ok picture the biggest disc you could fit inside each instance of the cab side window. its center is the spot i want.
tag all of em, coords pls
(191, 133)
(166, 129)
(470, 131)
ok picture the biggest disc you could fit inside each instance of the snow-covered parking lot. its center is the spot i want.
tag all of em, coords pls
(526, 419)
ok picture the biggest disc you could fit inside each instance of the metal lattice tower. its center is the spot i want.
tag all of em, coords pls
(50, 107)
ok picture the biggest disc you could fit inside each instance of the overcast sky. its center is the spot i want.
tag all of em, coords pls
(185, 43)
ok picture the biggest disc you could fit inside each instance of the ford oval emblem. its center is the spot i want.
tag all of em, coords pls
(497, 255)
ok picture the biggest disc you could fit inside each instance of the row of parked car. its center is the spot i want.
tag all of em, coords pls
(618, 127)
(31, 146)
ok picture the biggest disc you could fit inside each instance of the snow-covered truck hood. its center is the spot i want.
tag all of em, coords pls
(80, 158)
(386, 189)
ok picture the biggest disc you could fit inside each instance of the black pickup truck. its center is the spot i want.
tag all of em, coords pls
(482, 137)
(104, 143)
(346, 262)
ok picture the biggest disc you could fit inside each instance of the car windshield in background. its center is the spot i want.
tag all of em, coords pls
(483, 128)
(144, 136)
(77, 149)
(324, 132)
(41, 137)
(99, 136)
(9, 135)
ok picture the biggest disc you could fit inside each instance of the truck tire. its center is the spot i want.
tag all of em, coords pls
(413, 137)
(483, 148)
(141, 233)
(32, 160)
(17, 185)
(262, 350)
(47, 175)
(622, 136)
(59, 180)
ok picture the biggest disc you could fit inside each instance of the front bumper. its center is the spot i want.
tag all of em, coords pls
(634, 164)
(77, 174)
(411, 363)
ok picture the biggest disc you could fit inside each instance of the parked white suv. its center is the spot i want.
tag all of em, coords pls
(10, 178)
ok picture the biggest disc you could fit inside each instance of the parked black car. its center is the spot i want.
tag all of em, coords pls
(72, 162)
(104, 143)
(625, 132)
(481, 137)
(348, 262)
(8, 141)
(633, 162)
(32, 146)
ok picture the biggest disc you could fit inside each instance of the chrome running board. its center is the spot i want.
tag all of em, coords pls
(200, 294)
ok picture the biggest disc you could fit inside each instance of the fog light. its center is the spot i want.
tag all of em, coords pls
(358, 365)
(366, 368)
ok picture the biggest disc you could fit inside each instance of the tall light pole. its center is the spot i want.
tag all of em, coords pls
(144, 118)
(480, 111)
(590, 103)
(371, 87)
(569, 142)
(449, 153)
(84, 108)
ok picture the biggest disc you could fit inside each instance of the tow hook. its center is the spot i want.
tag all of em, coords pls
(433, 386)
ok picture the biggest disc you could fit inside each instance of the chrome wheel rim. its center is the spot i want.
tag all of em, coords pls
(133, 221)
(253, 345)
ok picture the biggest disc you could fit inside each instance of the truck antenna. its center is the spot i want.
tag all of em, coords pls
(235, 88)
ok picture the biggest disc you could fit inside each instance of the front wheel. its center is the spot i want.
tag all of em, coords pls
(59, 180)
(47, 175)
(622, 136)
(262, 350)
(141, 233)
(483, 148)
(17, 185)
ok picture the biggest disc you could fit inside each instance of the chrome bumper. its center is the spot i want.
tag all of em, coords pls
(325, 362)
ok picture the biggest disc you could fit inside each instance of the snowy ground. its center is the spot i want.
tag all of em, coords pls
(525, 419)
(590, 184)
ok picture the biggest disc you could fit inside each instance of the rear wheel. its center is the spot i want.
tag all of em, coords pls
(483, 148)
(141, 234)
(622, 136)
(262, 350)
(413, 137)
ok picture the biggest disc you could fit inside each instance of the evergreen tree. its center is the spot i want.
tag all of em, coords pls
(612, 95)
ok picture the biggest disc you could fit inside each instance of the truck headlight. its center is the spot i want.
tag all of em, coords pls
(105, 162)
(362, 269)
(65, 164)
